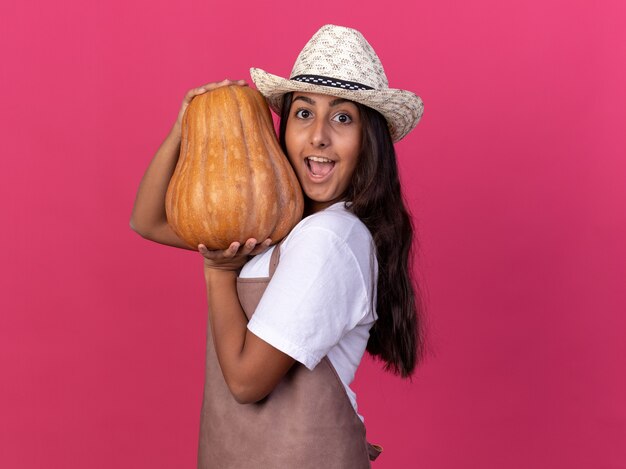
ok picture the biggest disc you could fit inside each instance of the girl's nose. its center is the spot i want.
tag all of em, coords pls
(320, 136)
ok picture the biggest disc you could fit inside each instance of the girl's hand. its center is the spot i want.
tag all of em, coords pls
(200, 90)
(234, 257)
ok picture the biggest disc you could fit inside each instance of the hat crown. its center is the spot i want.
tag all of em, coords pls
(341, 53)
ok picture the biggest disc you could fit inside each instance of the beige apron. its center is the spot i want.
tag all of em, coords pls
(307, 421)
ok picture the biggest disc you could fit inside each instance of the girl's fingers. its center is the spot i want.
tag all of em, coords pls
(261, 247)
(250, 247)
(227, 253)
(247, 248)
(212, 255)
(211, 86)
(232, 250)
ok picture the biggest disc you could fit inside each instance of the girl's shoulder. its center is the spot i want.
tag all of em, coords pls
(334, 235)
(334, 224)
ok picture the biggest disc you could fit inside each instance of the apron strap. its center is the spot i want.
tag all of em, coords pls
(275, 258)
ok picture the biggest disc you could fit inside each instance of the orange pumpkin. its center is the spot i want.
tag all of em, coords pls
(232, 181)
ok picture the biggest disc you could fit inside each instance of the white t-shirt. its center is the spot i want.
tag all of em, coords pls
(321, 300)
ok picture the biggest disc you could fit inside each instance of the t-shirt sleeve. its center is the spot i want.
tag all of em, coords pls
(317, 294)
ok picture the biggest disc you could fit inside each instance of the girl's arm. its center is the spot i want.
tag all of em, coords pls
(148, 217)
(252, 368)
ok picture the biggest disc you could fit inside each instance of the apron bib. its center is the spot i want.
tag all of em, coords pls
(307, 421)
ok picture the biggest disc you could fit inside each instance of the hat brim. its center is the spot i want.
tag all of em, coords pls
(402, 109)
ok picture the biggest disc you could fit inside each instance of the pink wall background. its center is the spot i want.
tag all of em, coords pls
(516, 177)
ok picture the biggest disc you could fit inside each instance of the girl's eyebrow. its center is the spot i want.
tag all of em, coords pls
(338, 101)
(306, 99)
(334, 102)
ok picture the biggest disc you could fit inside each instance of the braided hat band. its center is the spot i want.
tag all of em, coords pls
(338, 61)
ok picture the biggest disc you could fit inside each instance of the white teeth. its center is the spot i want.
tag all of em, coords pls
(319, 159)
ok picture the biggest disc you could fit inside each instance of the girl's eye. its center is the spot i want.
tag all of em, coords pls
(342, 118)
(303, 113)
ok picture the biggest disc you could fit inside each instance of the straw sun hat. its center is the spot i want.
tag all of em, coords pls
(339, 61)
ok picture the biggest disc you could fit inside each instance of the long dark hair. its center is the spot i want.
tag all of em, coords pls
(397, 337)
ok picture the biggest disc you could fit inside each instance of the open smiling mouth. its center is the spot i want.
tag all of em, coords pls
(318, 166)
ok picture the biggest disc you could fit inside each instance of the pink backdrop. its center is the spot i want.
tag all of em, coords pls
(516, 177)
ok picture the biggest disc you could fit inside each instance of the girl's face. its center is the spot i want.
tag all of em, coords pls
(323, 140)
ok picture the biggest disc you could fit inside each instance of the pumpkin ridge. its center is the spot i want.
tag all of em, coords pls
(237, 165)
(259, 193)
(214, 168)
(276, 166)
(210, 173)
(196, 143)
(204, 180)
(184, 177)
(208, 182)
(252, 201)
(218, 155)
(245, 229)
(286, 198)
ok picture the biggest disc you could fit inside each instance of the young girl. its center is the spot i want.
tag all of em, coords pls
(288, 327)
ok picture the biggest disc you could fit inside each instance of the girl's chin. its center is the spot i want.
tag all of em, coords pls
(317, 203)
